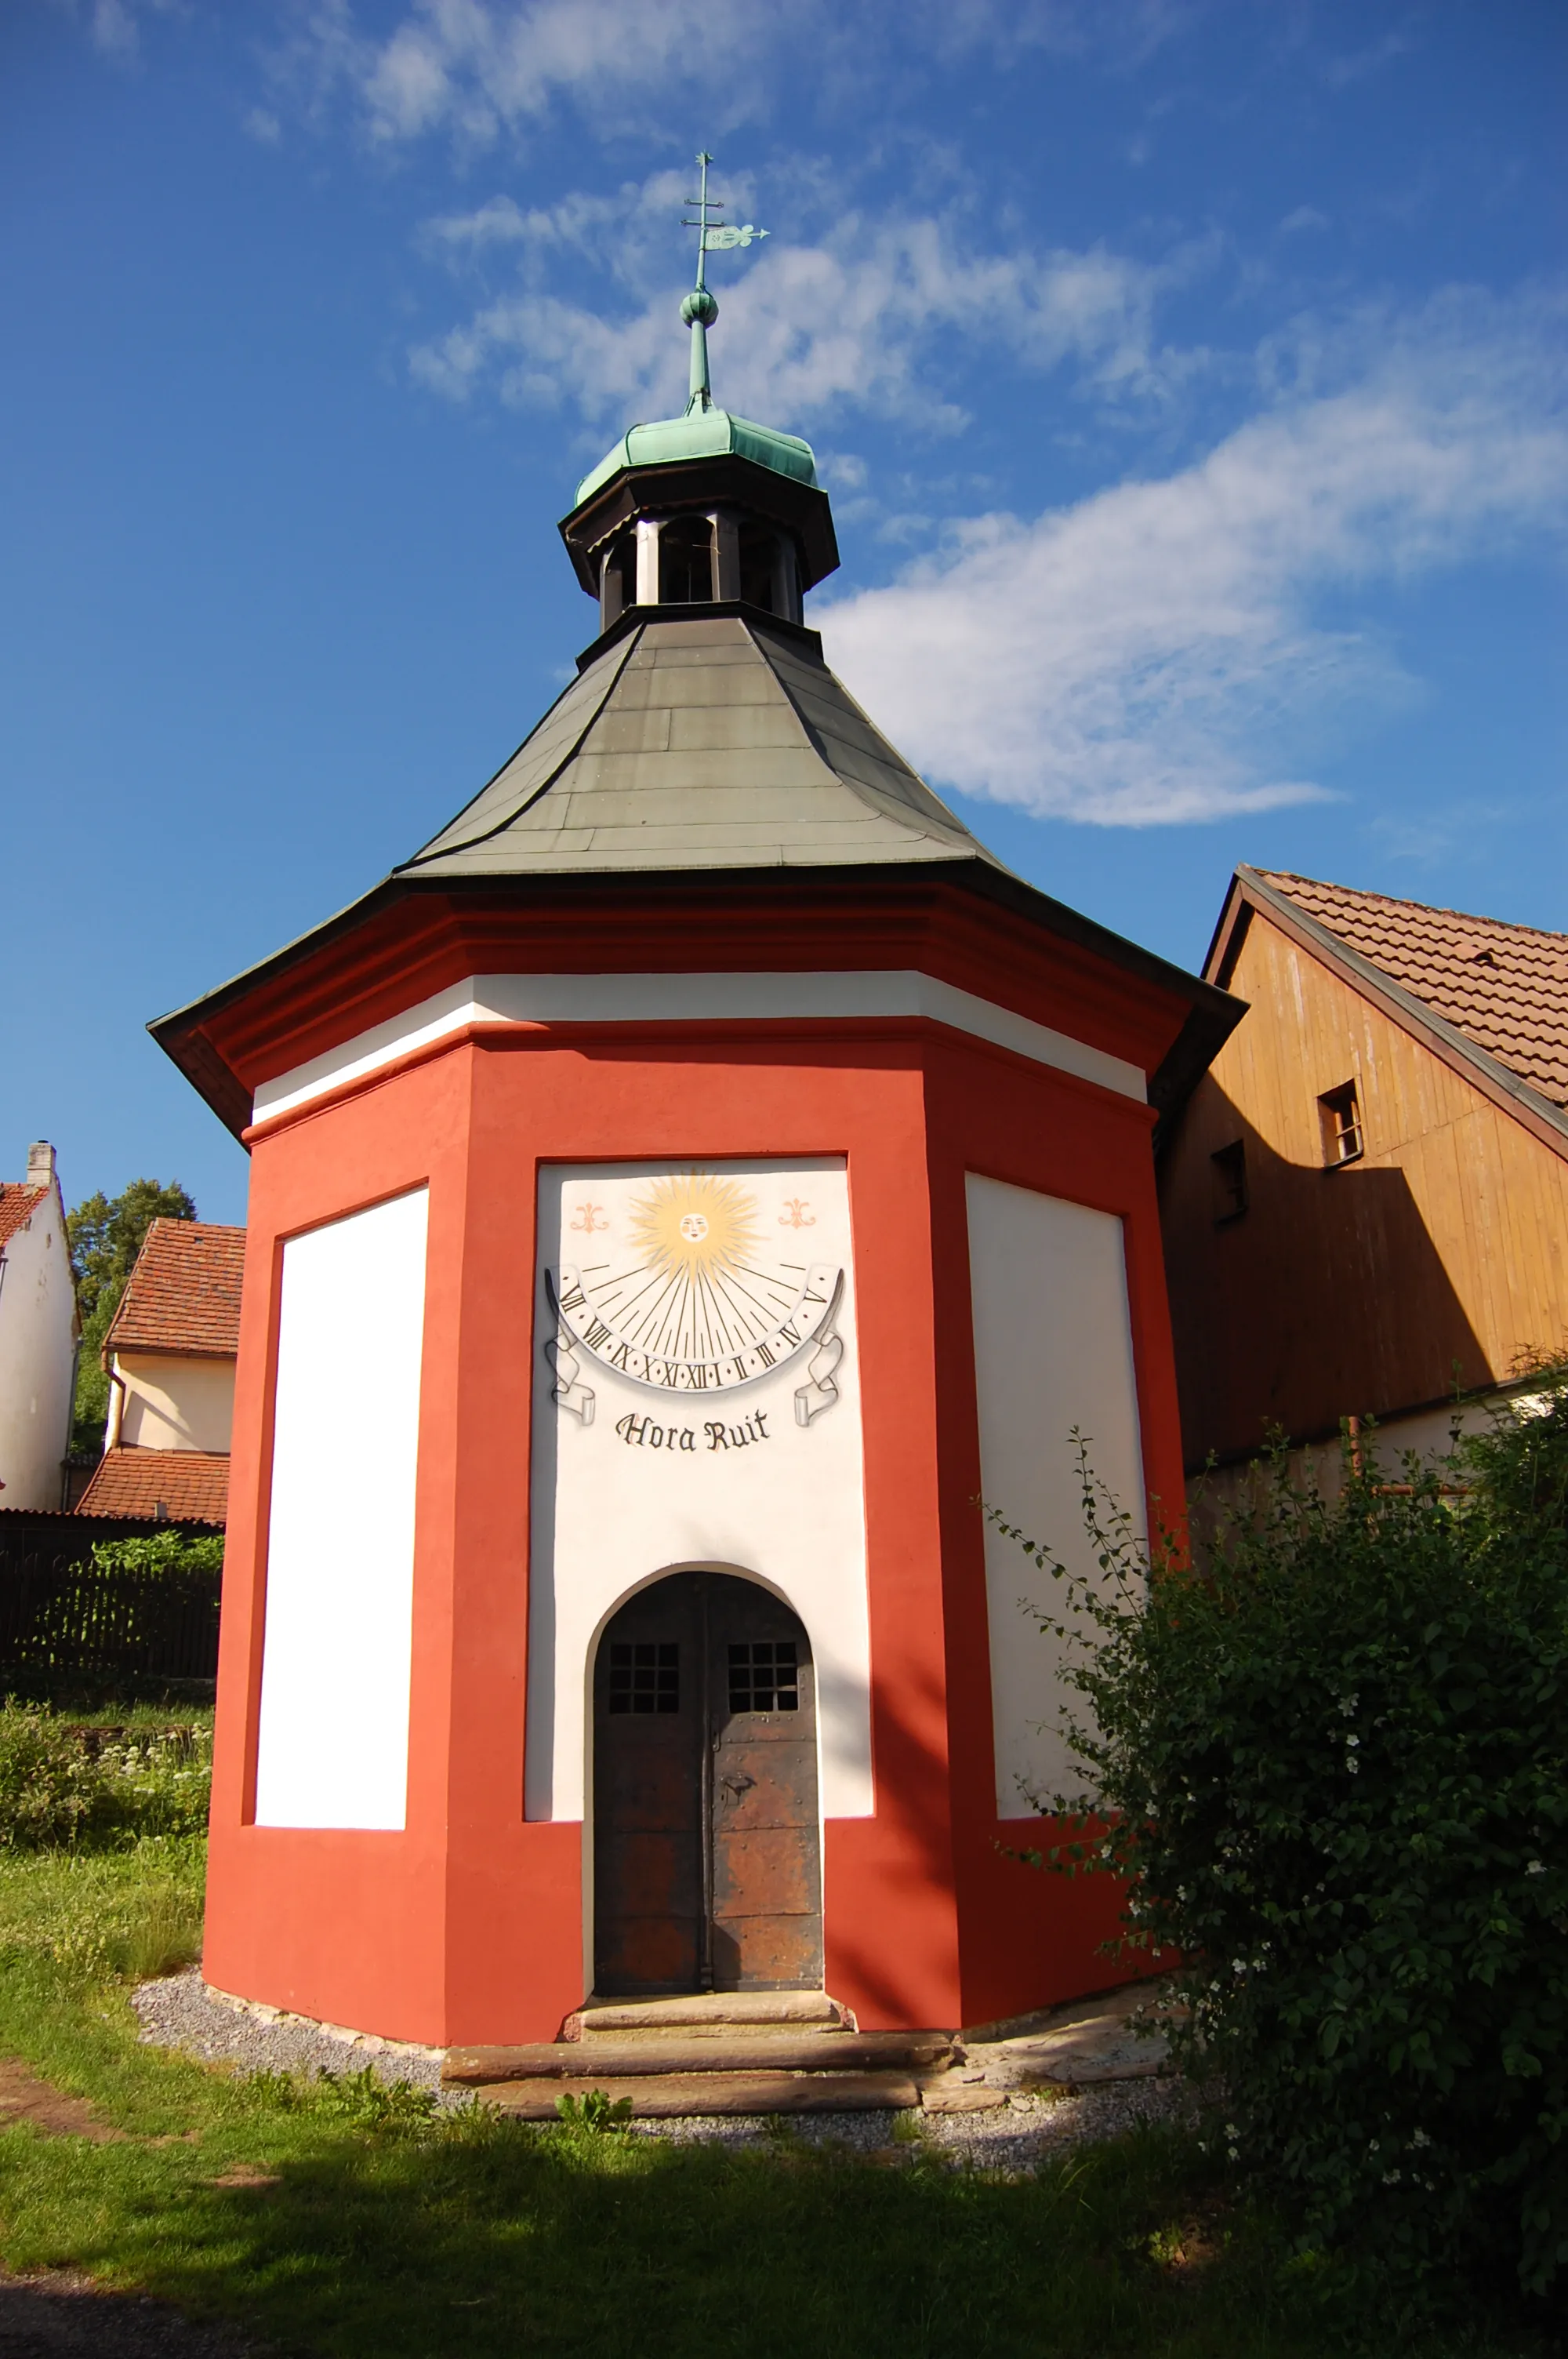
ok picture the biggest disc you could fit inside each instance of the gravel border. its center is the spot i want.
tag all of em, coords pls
(182, 2012)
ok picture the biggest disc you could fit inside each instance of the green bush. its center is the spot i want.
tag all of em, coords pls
(1332, 1765)
(166, 1552)
(61, 1787)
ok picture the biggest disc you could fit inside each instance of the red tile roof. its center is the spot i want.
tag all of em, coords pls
(17, 1203)
(1505, 987)
(192, 1486)
(184, 1292)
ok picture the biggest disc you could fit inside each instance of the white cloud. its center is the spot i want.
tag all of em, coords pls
(479, 66)
(806, 328)
(113, 25)
(1137, 659)
(1303, 217)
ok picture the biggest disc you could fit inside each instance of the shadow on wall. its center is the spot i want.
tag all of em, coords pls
(1324, 1297)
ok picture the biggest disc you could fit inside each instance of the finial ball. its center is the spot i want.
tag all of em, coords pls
(699, 305)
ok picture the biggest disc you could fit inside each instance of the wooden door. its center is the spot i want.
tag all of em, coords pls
(765, 1878)
(648, 1713)
(706, 1862)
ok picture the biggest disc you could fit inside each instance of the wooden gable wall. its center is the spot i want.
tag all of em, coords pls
(1361, 1288)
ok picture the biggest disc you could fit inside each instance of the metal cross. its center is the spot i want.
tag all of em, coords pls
(717, 237)
(699, 310)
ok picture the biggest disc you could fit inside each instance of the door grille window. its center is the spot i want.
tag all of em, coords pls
(644, 1675)
(763, 1675)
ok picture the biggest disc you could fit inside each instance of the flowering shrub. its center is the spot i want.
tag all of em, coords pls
(1332, 1765)
(60, 1786)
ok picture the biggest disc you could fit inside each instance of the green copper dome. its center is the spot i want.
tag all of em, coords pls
(703, 434)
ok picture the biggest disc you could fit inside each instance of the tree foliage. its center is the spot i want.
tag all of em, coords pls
(106, 1234)
(1331, 1762)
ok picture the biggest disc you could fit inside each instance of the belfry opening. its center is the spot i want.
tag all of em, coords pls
(681, 1191)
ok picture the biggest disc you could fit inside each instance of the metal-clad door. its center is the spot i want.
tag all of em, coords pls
(707, 1858)
(765, 1878)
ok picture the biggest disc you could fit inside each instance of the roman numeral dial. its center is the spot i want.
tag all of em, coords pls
(687, 1291)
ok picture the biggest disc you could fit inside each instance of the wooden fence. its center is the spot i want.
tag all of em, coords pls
(66, 1622)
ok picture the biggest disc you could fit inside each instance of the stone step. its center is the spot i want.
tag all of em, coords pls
(668, 2096)
(727, 2049)
(698, 2010)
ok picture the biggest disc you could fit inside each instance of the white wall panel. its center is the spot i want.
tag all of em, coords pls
(333, 1745)
(1052, 1351)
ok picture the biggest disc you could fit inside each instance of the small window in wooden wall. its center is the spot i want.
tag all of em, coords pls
(1229, 1167)
(1339, 1113)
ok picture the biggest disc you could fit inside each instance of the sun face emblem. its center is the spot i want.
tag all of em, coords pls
(694, 1224)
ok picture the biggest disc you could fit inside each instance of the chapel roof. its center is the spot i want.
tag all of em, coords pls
(717, 741)
(703, 434)
(183, 1296)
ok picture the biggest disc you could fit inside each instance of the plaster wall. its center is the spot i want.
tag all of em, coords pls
(651, 1480)
(1428, 1436)
(174, 1402)
(38, 1313)
(1052, 1354)
(332, 1749)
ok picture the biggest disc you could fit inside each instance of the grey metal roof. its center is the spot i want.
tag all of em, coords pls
(709, 742)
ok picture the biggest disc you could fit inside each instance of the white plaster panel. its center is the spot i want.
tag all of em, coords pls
(689, 998)
(333, 1743)
(1053, 1352)
(175, 1401)
(612, 1509)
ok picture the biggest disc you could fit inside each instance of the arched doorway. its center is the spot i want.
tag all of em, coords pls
(706, 1861)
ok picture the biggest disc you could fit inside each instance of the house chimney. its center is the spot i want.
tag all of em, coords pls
(41, 1163)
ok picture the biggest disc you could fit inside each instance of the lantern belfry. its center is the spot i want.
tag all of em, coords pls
(680, 1191)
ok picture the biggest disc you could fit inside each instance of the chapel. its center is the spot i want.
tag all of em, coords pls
(681, 1193)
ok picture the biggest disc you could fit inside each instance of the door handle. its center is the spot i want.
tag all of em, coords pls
(736, 1787)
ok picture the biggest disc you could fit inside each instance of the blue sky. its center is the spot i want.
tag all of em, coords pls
(1188, 379)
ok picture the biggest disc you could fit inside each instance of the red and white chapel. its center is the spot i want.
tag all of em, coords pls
(679, 1193)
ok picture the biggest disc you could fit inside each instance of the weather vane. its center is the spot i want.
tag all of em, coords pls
(699, 310)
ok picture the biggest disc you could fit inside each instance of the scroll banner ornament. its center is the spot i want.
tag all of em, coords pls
(566, 1391)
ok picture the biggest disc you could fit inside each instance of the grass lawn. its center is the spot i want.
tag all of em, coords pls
(367, 2230)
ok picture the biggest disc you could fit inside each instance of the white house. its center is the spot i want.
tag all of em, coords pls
(39, 1332)
(170, 1354)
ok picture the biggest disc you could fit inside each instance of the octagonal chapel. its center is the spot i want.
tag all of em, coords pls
(680, 1192)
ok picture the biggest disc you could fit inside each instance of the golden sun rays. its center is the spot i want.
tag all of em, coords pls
(694, 1223)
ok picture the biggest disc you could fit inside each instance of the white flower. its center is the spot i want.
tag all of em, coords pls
(1231, 2131)
(1420, 2138)
(1239, 1965)
(1234, 2152)
(1390, 2177)
(1352, 1764)
(1535, 1867)
(1353, 1740)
